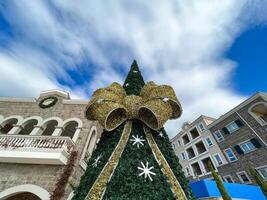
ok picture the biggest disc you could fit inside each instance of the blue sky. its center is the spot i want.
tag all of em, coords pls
(249, 51)
(213, 53)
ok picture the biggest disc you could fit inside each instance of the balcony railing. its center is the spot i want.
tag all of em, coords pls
(35, 149)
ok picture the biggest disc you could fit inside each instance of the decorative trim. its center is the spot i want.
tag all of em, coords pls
(75, 101)
(165, 168)
(41, 105)
(98, 189)
(55, 91)
(17, 99)
(87, 144)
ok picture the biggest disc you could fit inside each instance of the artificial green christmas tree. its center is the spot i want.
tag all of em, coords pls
(134, 158)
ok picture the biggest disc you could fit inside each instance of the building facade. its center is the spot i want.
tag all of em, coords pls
(241, 135)
(37, 139)
(196, 147)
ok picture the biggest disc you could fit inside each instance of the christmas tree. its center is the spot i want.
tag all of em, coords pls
(134, 158)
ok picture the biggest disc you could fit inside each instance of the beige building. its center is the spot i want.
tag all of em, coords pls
(39, 139)
(196, 147)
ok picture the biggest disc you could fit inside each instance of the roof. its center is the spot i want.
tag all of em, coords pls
(238, 107)
(201, 117)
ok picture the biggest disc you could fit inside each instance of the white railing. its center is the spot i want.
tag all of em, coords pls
(35, 142)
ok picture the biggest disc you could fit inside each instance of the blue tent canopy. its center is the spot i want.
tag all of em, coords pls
(207, 188)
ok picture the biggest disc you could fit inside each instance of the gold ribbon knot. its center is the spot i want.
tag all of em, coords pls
(154, 106)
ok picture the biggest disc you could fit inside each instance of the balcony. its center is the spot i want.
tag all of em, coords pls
(31, 149)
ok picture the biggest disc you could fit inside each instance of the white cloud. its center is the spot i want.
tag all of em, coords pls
(181, 43)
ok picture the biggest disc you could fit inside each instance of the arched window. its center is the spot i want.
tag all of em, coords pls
(28, 127)
(8, 125)
(90, 146)
(27, 191)
(50, 127)
(259, 112)
(69, 129)
(24, 195)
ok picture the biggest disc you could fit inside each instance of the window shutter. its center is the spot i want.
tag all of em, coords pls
(256, 143)
(239, 150)
(225, 130)
(239, 123)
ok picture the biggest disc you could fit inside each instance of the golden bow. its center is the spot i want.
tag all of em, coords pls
(154, 106)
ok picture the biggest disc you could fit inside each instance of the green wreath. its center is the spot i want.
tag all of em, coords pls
(41, 105)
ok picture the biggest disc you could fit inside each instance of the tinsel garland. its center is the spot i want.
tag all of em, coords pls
(167, 171)
(97, 189)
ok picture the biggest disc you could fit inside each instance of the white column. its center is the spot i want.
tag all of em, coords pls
(15, 130)
(57, 131)
(37, 130)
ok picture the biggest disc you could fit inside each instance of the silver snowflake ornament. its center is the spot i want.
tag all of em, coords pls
(136, 140)
(97, 161)
(146, 171)
(161, 135)
(135, 71)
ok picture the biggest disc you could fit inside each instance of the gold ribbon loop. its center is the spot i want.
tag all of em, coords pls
(155, 113)
(164, 92)
(155, 105)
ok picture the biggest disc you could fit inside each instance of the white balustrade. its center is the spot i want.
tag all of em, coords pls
(26, 141)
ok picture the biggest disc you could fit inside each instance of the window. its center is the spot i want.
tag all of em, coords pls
(259, 112)
(201, 127)
(200, 147)
(50, 127)
(69, 129)
(206, 162)
(247, 146)
(218, 159)
(196, 169)
(183, 157)
(4, 129)
(194, 133)
(187, 171)
(185, 139)
(263, 172)
(178, 143)
(28, 127)
(89, 147)
(209, 142)
(228, 179)
(230, 155)
(218, 135)
(190, 152)
(173, 145)
(232, 127)
(243, 177)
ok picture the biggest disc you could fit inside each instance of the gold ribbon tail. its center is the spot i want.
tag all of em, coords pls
(165, 168)
(97, 190)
